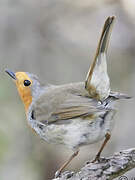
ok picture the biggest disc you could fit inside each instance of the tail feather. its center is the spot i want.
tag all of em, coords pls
(97, 81)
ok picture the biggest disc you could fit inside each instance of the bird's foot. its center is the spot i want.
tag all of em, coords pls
(64, 175)
(57, 174)
(97, 158)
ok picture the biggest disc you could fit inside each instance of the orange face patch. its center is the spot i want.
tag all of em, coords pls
(24, 91)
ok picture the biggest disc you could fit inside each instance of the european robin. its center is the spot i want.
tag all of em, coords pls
(75, 114)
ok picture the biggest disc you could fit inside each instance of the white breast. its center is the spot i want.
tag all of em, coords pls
(79, 132)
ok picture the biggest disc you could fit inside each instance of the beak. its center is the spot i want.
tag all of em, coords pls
(10, 73)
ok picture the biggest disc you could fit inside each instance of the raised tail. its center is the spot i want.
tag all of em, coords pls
(97, 81)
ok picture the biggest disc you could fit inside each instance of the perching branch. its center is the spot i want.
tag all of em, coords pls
(107, 168)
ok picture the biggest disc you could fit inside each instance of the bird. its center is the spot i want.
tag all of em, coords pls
(74, 114)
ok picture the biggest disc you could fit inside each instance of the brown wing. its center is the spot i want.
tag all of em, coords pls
(77, 106)
(97, 81)
(61, 105)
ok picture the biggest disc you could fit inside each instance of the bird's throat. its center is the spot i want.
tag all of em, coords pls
(26, 97)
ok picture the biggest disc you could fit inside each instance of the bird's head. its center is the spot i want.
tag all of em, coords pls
(27, 85)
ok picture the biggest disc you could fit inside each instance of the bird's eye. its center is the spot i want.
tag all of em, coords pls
(27, 82)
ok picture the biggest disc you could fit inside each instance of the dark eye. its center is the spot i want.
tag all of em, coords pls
(27, 82)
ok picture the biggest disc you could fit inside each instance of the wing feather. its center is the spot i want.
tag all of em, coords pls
(64, 105)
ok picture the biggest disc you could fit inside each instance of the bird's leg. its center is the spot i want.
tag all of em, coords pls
(65, 164)
(107, 137)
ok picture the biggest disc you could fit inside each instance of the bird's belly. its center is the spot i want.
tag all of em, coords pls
(78, 132)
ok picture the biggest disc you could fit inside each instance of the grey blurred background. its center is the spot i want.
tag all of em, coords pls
(57, 39)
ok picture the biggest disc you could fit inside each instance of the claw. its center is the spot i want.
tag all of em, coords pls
(97, 158)
(57, 174)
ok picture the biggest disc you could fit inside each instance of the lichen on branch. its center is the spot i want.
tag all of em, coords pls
(107, 168)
